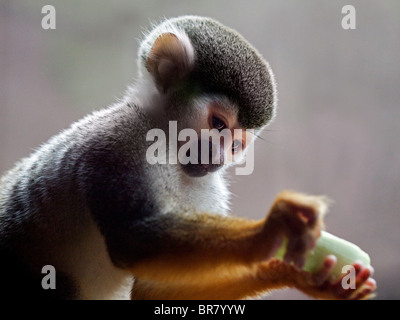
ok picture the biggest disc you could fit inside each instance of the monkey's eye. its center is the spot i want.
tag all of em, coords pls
(236, 146)
(218, 124)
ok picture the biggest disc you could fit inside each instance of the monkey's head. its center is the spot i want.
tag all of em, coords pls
(208, 77)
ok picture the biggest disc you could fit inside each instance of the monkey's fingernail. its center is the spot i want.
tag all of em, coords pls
(371, 270)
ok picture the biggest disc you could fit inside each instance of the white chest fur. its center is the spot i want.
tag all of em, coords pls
(87, 261)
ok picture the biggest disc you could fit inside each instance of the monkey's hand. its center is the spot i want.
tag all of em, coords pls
(297, 218)
(355, 286)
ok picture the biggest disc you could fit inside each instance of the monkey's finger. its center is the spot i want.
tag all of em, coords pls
(337, 286)
(361, 278)
(322, 275)
(274, 246)
(370, 286)
(365, 292)
(295, 252)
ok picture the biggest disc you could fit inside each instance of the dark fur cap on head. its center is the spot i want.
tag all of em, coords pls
(225, 63)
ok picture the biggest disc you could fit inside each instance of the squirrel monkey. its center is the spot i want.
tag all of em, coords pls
(116, 226)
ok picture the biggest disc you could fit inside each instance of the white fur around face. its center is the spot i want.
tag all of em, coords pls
(213, 197)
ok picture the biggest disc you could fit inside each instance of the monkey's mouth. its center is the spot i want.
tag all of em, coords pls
(213, 161)
(200, 170)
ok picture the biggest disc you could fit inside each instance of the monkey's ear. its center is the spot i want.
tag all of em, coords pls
(169, 60)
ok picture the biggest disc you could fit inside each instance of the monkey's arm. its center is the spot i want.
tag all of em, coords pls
(252, 282)
(212, 257)
(180, 246)
(177, 246)
(240, 283)
(226, 258)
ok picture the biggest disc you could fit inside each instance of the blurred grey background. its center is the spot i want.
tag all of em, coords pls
(338, 126)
